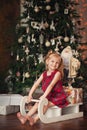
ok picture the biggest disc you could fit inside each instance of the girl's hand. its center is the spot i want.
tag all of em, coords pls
(42, 97)
(29, 98)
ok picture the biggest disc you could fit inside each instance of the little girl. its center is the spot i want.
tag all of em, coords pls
(52, 87)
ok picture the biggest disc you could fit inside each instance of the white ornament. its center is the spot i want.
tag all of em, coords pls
(42, 25)
(41, 39)
(28, 17)
(56, 49)
(27, 29)
(28, 39)
(75, 53)
(22, 60)
(41, 59)
(72, 39)
(35, 61)
(52, 26)
(66, 11)
(33, 39)
(35, 25)
(36, 9)
(27, 51)
(53, 41)
(17, 58)
(59, 39)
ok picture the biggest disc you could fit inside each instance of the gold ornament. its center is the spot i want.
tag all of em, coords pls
(66, 39)
(48, 7)
(27, 75)
(47, 1)
(47, 43)
(20, 40)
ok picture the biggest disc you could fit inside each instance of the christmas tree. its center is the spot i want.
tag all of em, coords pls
(43, 25)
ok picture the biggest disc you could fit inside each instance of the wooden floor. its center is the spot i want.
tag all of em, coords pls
(10, 122)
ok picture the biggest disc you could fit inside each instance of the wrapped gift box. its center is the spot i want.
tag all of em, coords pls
(5, 110)
(74, 95)
(9, 103)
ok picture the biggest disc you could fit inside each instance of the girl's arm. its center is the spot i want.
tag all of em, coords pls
(51, 85)
(35, 85)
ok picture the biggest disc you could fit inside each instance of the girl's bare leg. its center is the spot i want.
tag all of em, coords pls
(34, 119)
(22, 119)
(33, 110)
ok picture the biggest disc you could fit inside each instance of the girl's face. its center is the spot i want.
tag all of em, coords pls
(53, 63)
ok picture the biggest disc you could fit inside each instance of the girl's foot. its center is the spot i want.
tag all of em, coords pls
(21, 118)
(31, 120)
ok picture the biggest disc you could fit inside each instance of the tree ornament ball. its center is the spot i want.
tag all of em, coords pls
(66, 39)
(48, 7)
(27, 75)
(47, 43)
(20, 40)
(47, 0)
(36, 9)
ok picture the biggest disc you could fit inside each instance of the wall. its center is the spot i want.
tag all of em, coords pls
(82, 8)
(83, 13)
(9, 11)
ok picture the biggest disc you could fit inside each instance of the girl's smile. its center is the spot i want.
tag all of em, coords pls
(53, 63)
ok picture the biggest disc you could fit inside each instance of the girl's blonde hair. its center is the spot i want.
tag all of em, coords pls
(53, 53)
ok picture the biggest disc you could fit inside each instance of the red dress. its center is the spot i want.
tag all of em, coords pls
(57, 95)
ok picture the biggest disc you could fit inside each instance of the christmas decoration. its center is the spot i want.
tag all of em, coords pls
(48, 1)
(65, 11)
(45, 25)
(41, 58)
(74, 66)
(66, 39)
(20, 40)
(66, 55)
(48, 7)
(70, 63)
(36, 9)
